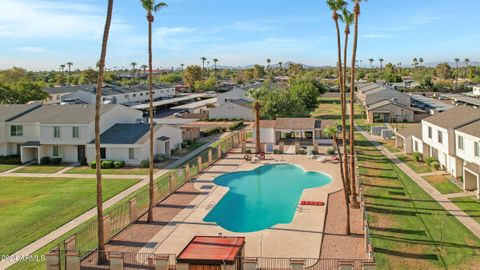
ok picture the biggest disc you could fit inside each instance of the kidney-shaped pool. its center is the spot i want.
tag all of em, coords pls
(263, 197)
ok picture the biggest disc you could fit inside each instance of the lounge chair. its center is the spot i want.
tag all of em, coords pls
(310, 155)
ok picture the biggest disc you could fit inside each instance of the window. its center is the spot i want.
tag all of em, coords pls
(460, 142)
(131, 153)
(16, 131)
(56, 132)
(75, 132)
(477, 149)
(57, 151)
(103, 153)
(430, 132)
(134, 95)
(440, 137)
(126, 96)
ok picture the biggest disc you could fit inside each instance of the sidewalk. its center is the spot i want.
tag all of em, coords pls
(443, 200)
(52, 236)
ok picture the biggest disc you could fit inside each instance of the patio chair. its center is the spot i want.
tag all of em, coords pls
(310, 155)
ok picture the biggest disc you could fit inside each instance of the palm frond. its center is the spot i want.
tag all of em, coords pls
(160, 6)
(147, 4)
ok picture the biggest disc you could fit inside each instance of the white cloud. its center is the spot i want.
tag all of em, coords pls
(31, 49)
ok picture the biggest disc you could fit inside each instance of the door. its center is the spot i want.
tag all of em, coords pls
(167, 148)
(81, 153)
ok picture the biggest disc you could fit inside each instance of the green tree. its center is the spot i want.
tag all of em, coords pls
(192, 74)
(295, 69)
(170, 78)
(258, 72)
(444, 71)
(151, 7)
(307, 90)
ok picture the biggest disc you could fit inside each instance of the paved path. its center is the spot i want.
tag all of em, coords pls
(434, 173)
(465, 219)
(461, 194)
(52, 236)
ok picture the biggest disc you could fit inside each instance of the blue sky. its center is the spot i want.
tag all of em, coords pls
(43, 34)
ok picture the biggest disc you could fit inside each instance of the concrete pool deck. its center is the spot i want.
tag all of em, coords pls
(301, 238)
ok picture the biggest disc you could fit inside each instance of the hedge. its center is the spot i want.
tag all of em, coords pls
(235, 126)
(210, 131)
(417, 156)
(145, 164)
(118, 164)
(10, 160)
(55, 161)
(45, 161)
(107, 164)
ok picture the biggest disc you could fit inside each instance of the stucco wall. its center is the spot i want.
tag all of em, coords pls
(232, 111)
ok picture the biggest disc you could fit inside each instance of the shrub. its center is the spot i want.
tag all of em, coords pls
(429, 160)
(276, 151)
(435, 165)
(144, 164)
(55, 161)
(302, 152)
(223, 129)
(93, 164)
(10, 160)
(331, 151)
(417, 156)
(83, 162)
(210, 131)
(118, 164)
(160, 158)
(248, 151)
(107, 164)
(235, 126)
(45, 161)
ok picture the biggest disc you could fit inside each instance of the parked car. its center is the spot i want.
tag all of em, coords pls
(179, 113)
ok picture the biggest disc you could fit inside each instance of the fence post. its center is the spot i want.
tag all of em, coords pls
(132, 209)
(187, 172)
(244, 146)
(210, 157)
(199, 163)
(106, 228)
(52, 260)
(315, 146)
(281, 145)
(250, 264)
(70, 243)
(297, 147)
(116, 261)
(73, 261)
(171, 180)
(219, 151)
(161, 262)
(297, 264)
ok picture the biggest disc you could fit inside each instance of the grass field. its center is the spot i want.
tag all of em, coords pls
(4, 168)
(418, 167)
(32, 207)
(442, 184)
(409, 229)
(40, 169)
(123, 171)
(469, 205)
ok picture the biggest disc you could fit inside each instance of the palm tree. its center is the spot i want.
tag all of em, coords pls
(203, 58)
(151, 7)
(420, 60)
(457, 60)
(62, 70)
(144, 68)
(215, 61)
(347, 18)
(466, 67)
(182, 65)
(134, 65)
(353, 192)
(381, 62)
(98, 97)
(415, 62)
(332, 132)
(280, 64)
(371, 62)
(268, 63)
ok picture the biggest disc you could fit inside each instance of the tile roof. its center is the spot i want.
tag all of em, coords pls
(63, 114)
(453, 118)
(389, 102)
(293, 123)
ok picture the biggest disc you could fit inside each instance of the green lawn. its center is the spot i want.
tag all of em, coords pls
(32, 207)
(442, 184)
(409, 229)
(123, 171)
(469, 205)
(4, 167)
(418, 167)
(390, 145)
(40, 169)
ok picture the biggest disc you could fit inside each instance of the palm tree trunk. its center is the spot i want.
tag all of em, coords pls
(344, 117)
(345, 186)
(98, 97)
(353, 194)
(150, 95)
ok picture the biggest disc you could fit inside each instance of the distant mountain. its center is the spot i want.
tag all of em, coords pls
(451, 63)
(273, 65)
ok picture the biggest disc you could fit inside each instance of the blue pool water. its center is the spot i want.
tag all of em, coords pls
(262, 198)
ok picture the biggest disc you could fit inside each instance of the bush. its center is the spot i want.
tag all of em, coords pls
(417, 156)
(248, 151)
(302, 152)
(429, 160)
(118, 164)
(45, 161)
(331, 151)
(210, 131)
(107, 164)
(235, 126)
(435, 165)
(93, 164)
(83, 162)
(277, 151)
(160, 158)
(55, 161)
(145, 164)
(222, 129)
(10, 160)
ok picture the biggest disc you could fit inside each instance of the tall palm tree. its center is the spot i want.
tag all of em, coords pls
(151, 7)
(347, 18)
(215, 61)
(280, 64)
(457, 60)
(98, 98)
(332, 132)
(466, 66)
(134, 65)
(62, 70)
(144, 68)
(420, 60)
(353, 191)
(203, 58)
(268, 63)
(69, 65)
(371, 62)
(182, 65)
(415, 62)
(381, 62)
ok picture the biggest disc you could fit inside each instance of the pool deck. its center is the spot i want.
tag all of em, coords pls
(301, 238)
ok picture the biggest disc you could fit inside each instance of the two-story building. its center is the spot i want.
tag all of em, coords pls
(438, 136)
(467, 148)
(234, 104)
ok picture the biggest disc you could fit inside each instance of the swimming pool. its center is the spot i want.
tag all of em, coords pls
(263, 197)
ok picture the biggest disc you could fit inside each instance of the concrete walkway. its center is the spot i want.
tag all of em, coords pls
(433, 173)
(52, 236)
(464, 218)
(461, 194)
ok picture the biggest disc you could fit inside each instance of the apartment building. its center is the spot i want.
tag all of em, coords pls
(467, 148)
